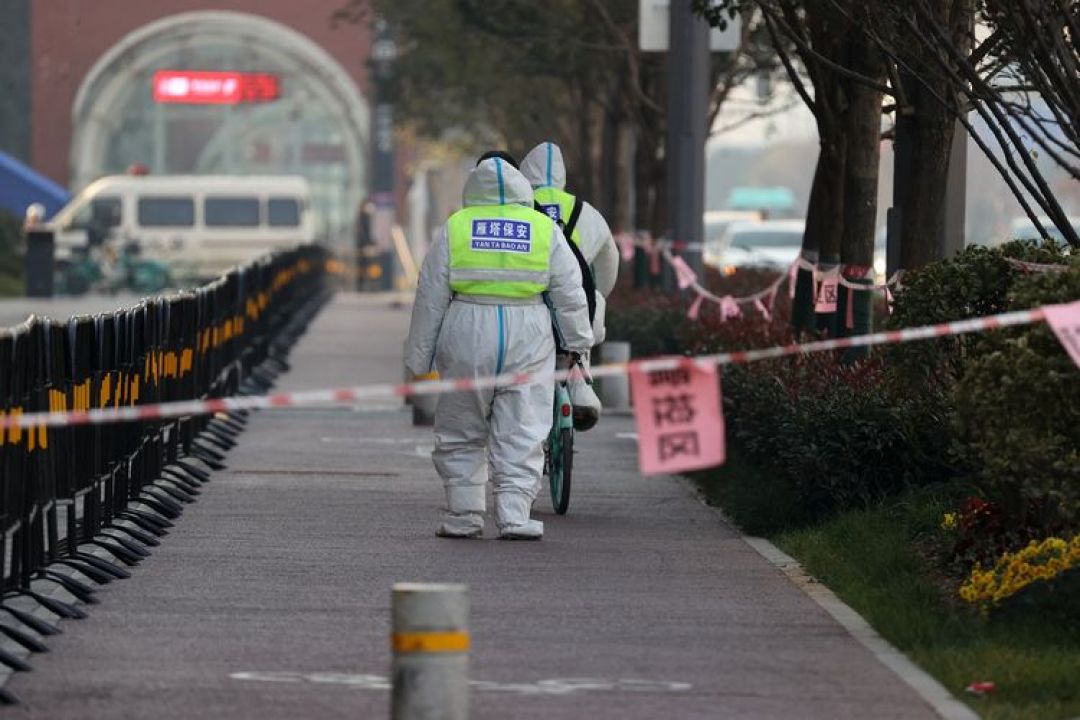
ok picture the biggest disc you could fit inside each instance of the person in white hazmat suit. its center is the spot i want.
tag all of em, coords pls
(586, 227)
(480, 311)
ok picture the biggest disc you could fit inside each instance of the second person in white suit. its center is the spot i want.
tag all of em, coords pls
(585, 226)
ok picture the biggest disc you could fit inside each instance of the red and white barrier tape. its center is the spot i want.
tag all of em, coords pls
(348, 395)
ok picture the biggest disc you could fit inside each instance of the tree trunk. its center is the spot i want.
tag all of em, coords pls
(824, 222)
(863, 131)
(622, 218)
(585, 186)
(922, 213)
(650, 199)
(830, 36)
(608, 197)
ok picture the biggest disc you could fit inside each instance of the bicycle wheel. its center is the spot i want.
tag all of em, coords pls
(562, 466)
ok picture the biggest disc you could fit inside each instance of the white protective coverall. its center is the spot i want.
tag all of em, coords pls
(468, 336)
(544, 167)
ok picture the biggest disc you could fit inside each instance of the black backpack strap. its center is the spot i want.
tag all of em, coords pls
(575, 215)
(588, 283)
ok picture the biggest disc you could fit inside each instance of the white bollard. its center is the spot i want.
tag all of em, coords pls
(431, 652)
(614, 391)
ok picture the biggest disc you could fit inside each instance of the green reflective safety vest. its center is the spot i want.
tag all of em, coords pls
(558, 205)
(500, 250)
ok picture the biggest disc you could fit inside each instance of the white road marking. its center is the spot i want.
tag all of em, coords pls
(553, 686)
(626, 436)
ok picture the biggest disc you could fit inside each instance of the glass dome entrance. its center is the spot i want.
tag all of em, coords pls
(316, 127)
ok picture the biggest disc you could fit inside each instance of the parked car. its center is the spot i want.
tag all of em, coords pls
(770, 243)
(716, 224)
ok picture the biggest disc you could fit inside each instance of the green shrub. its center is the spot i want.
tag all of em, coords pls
(975, 283)
(1017, 416)
(839, 435)
(649, 328)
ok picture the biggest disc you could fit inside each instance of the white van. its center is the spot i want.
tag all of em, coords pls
(200, 225)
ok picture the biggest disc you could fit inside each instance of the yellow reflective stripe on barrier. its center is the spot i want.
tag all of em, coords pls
(37, 438)
(82, 396)
(105, 393)
(133, 397)
(15, 431)
(430, 642)
(238, 324)
(187, 361)
(57, 401)
(170, 365)
(3, 432)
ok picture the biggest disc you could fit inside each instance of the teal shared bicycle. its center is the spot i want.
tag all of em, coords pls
(559, 449)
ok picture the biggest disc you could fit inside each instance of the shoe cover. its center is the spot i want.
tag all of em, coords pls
(529, 530)
(461, 525)
(468, 499)
(512, 509)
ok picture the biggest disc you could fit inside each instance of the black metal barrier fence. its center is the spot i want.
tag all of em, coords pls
(93, 498)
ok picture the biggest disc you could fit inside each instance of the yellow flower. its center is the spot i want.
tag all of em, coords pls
(948, 521)
(1012, 572)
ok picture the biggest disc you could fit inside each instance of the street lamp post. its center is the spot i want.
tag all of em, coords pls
(688, 93)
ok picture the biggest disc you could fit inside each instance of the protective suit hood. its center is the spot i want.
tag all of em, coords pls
(497, 182)
(544, 166)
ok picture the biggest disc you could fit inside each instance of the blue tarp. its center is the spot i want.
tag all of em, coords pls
(20, 186)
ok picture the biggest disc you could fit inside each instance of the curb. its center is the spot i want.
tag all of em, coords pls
(928, 688)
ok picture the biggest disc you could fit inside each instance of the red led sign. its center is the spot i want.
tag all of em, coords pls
(214, 88)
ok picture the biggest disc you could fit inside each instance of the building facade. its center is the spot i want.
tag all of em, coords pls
(194, 87)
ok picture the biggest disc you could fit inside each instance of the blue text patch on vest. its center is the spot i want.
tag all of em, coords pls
(501, 236)
(552, 211)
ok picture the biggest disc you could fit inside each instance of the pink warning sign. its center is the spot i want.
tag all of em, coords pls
(1064, 320)
(826, 299)
(679, 419)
